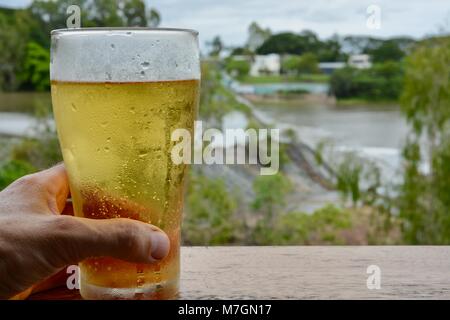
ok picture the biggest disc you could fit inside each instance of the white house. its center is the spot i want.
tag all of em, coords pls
(330, 67)
(360, 61)
(266, 64)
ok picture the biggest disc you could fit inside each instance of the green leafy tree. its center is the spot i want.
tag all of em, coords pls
(134, 13)
(308, 64)
(238, 67)
(304, 64)
(216, 46)
(36, 66)
(387, 51)
(381, 82)
(290, 64)
(154, 18)
(424, 201)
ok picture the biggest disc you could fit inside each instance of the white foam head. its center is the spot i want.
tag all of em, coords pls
(124, 55)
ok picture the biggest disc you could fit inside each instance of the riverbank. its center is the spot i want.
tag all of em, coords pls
(268, 79)
(348, 102)
(293, 100)
(25, 102)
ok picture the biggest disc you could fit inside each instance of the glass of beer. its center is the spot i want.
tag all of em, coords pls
(117, 96)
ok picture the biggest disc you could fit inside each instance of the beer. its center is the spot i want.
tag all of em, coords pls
(115, 138)
(119, 134)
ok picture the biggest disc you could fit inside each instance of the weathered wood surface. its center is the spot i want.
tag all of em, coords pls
(298, 272)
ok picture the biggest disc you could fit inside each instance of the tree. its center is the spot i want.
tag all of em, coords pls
(35, 72)
(384, 81)
(216, 46)
(331, 50)
(256, 36)
(282, 43)
(154, 18)
(424, 197)
(238, 67)
(291, 43)
(12, 46)
(308, 64)
(289, 64)
(387, 51)
(304, 64)
(134, 13)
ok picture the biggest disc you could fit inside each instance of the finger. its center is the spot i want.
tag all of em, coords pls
(79, 238)
(47, 189)
(56, 182)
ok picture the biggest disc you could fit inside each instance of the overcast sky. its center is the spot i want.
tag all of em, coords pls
(230, 18)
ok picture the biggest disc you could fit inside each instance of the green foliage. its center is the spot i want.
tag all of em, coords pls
(36, 68)
(387, 51)
(424, 197)
(381, 82)
(210, 213)
(304, 42)
(13, 30)
(216, 46)
(351, 174)
(12, 170)
(240, 68)
(308, 64)
(270, 193)
(25, 41)
(290, 43)
(304, 64)
(324, 226)
(348, 178)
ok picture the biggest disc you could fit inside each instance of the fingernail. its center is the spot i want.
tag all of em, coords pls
(160, 245)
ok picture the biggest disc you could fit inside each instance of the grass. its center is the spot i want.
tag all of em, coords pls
(265, 79)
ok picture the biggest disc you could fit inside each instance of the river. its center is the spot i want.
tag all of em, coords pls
(374, 132)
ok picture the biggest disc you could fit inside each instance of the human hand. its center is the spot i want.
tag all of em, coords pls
(36, 240)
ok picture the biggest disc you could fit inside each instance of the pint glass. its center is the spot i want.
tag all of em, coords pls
(117, 96)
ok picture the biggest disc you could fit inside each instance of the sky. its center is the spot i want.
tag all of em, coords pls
(230, 18)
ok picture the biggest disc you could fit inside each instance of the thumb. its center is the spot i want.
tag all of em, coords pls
(76, 239)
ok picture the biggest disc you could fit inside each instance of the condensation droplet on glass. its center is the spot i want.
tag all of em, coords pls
(106, 149)
(145, 64)
(143, 154)
(104, 124)
(113, 46)
(74, 107)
